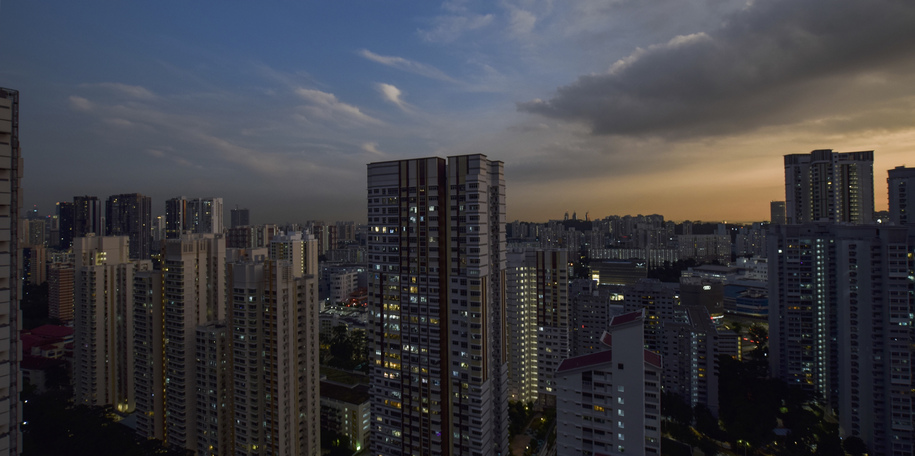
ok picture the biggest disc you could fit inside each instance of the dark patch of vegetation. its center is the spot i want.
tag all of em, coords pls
(345, 349)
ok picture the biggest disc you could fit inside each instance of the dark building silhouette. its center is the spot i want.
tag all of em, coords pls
(240, 217)
(130, 215)
(87, 216)
(65, 224)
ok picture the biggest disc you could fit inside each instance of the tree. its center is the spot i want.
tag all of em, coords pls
(854, 446)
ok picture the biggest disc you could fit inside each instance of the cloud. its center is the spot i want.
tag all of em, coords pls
(775, 62)
(372, 148)
(449, 28)
(521, 22)
(409, 66)
(392, 94)
(80, 103)
(132, 91)
(326, 105)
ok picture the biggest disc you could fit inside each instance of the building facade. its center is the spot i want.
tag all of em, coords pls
(609, 402)
(901, 191)
(840, 319)
(436, 300)
(103, 322)
(10, 204)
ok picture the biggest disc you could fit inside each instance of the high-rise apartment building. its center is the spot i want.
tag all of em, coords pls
(593, 306)
(60, 292)
(609, 402)
(194, 284)
(149, 354)
(130, 215)
(87, 216)
(10, 204)
(537, 310)
(215, 390)
(103, 322)
(274, 334)
(830, 186)
(437, 316)
(901, 191)
(840, 324)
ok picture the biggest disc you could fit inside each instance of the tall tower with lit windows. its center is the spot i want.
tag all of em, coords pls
(437, 315)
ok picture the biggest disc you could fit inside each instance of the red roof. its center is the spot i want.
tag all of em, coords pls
(53, 331)
(590, 359)
(607, 339)
(652, 358)
(625, 318)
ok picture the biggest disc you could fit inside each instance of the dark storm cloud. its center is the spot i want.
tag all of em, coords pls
(776, 62)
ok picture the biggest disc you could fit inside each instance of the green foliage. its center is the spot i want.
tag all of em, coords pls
(345, 350)
(53, 426)
(854, 446)
(519, 414)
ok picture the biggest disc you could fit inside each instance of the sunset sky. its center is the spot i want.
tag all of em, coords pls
(676, 107)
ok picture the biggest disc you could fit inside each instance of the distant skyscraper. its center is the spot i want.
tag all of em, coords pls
(830, 186)
(65, 223)
(11, 168)
(60, 292)
(840, 324)
(239, 218)
(131, 215)
(437, 261)
(175, 217)
(87, 216)
(901, 183)
(198, 215)
(777, 213)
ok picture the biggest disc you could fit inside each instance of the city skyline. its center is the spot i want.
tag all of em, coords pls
(278, 108)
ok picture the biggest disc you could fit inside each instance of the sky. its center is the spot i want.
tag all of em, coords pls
(683, 108)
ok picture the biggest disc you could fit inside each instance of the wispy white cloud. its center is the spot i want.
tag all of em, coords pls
(132, 91)
(326, 105)
(80, 104)
(409, 66)
(372, 148)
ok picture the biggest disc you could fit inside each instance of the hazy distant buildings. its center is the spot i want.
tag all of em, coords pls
(10, 204)
(131, 215)
(901, 191)
(198, 215)
(437, 260)
(829, 186)
(840, 324)
(777, 213)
